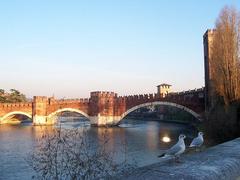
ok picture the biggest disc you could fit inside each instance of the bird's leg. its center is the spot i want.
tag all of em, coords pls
(174, 158)
(177, 159)
(201, 148)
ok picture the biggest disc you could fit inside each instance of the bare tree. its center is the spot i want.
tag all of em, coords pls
(223, 119)
(225, 55)
(73, 154)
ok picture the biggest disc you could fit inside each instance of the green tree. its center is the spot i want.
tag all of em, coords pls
(12, 97)
(2, 91)
(2, 96)
(16, 96)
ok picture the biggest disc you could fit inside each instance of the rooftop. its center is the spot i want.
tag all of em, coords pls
(164, 84)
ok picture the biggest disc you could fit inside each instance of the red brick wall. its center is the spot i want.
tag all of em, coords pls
(104, 103)
(10, 107)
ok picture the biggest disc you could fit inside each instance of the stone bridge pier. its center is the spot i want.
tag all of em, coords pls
(105, 108)
(101, 108)
(40, 111)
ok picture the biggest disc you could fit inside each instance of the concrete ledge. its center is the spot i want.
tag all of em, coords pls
(221, 162)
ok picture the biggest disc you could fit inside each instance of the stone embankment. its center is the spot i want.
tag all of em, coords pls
(221, 162)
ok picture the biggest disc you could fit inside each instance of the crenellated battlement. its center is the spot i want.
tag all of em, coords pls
(103, 94)
(199, 90)
(40, 98)
(102, 107)
(140, 97)
(15, 105)
(67, 101)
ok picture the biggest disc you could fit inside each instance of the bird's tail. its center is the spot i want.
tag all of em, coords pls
(161, 155)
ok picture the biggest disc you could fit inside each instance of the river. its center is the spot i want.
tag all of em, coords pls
(144, 139)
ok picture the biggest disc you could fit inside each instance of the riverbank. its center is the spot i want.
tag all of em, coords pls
(221, 162)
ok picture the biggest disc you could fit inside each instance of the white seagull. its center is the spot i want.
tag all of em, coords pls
(197, 141)
(177, 149)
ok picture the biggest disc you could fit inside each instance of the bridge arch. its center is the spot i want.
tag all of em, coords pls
(3, 119)
(70, 110)
(165, 103)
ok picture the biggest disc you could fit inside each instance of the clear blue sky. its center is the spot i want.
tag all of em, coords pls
(69, 48)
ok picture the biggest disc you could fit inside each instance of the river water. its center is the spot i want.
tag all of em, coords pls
(144, 141)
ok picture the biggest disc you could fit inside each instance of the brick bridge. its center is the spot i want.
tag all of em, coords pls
(102, 107)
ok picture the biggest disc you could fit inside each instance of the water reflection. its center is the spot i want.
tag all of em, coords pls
(72, 122)
(144, 141)
(166, 139)
(152, 136)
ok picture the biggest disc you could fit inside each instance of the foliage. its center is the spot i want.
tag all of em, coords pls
(73, 154)
(2, 91)
(12, 97)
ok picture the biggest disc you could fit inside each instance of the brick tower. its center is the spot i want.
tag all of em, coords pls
(207, 43)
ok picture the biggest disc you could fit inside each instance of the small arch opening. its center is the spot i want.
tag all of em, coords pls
(69, 117)
(16, 118)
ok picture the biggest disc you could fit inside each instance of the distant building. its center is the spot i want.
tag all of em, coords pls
(207, 43)
(163, 89)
